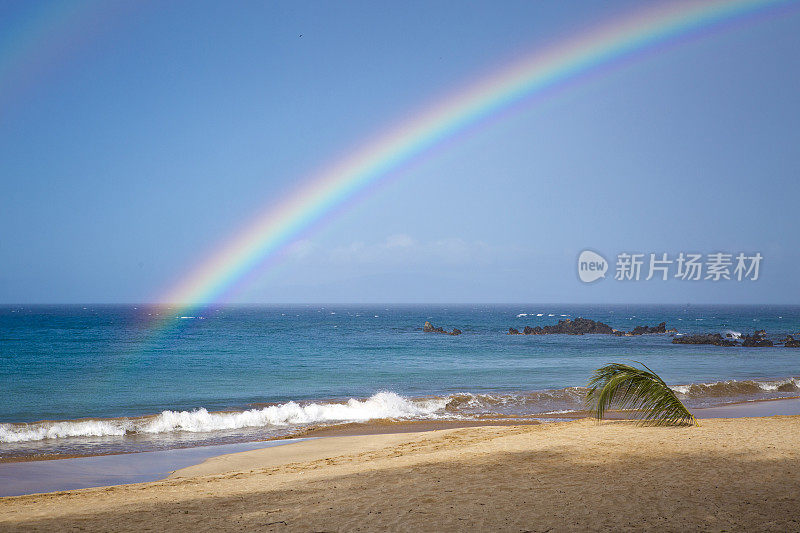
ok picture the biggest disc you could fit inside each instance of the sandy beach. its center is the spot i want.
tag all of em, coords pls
(728, 474)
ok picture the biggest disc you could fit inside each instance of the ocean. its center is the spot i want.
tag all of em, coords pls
(99, 379)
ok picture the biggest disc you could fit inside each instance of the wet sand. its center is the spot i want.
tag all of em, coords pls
(17, 478)
(728, 474)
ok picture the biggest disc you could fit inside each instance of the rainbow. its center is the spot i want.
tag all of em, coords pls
(266, 236)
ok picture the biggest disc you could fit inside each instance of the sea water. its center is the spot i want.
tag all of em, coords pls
(92, 379)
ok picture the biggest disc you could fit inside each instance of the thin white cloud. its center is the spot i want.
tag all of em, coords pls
(400, 240)
(402, 249)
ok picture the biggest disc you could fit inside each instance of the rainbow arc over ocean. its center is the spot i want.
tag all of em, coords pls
(269, 233)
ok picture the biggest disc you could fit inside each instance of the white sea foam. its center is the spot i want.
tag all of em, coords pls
(522, 315)
(733, 334)
(775, 385)
(59, 430)
(380, 405)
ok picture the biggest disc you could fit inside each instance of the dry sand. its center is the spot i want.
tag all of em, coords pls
(730, 474)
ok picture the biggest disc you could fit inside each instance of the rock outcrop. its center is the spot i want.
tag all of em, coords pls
(430, 328)
(584, 326)
(579, 326)
(646, 330)
(791, 342)
(757, 340)
(704, 338)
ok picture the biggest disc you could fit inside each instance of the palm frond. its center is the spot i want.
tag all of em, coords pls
(629, 387)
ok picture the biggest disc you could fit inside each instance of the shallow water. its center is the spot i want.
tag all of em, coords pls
(99, 471)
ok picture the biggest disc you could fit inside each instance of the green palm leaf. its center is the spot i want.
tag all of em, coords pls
(630, 387)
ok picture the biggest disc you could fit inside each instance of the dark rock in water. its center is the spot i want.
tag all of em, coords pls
(757, 340)
(791, 342)
(583, 326)
(708, 338)
(647, 330)
(579, 326)
(512, 331)
(430, 328)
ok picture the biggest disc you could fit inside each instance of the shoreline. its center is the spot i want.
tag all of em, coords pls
(728, 474)
(739, 409)
(52, 475)
(170, 429)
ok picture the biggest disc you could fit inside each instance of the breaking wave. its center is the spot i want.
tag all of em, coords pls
(58, 430)
(721, 392)
(382, 405)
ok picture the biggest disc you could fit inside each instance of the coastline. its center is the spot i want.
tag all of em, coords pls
(198, 427)
(400, 425)
(726, 474)
(41, 475)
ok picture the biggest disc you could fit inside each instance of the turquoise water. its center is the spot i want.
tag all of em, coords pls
(275, 369)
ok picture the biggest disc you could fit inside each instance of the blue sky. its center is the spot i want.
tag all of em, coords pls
(131, 150)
